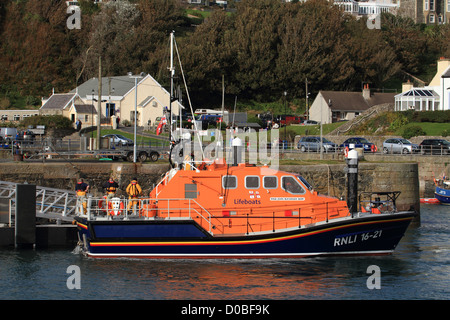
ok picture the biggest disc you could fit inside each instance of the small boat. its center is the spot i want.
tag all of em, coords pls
(442, 191)
(429, 200)
(232, 209)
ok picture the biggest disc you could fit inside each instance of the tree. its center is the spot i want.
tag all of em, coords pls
(254, 41)
(374, 61)
(112, 37)
(208, 55)
(34, 46)
(313, 45)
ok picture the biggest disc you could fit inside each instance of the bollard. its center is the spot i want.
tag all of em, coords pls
(352, 181)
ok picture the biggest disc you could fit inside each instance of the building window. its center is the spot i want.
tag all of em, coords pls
(431, 18)
(431, 5)
(16, 117)
(448, 5)
(426, 5)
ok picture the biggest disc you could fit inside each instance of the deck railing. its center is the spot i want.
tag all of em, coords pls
(215, 221)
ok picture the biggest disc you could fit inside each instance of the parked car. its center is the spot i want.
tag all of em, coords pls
(313, 144)
(309, 123)
(118, 139)
(288, 119)
(399, 145)
(357, 142)
(436, 146)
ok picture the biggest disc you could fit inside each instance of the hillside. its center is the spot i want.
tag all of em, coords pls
(406, 124)
(262, 49)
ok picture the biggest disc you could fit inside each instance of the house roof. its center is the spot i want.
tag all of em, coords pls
(117, 87)
(446, 73)
(58, 101)
(354, 101)
(418, 93)
(85, 108)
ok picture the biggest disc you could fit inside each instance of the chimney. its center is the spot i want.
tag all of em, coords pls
(406, 86)
(366, 92)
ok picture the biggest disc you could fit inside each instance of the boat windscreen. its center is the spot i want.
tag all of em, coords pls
(306, 183)
(289, 184)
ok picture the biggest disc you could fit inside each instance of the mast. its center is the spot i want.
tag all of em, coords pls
(172, 73)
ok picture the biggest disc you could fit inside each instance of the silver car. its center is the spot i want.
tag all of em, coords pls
(399, 145)
(118, 139)
(306, 144)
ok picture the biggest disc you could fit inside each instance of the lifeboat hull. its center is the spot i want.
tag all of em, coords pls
(365, 235)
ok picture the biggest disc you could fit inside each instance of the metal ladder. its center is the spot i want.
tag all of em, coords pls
(51, 203)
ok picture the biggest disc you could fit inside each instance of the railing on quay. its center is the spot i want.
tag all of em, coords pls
(51, 203)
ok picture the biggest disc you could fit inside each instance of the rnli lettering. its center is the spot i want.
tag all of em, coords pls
(344, 240)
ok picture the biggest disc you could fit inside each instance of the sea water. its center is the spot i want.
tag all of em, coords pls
(418, 269)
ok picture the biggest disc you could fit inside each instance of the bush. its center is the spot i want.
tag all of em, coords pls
(413, 131)
(50, 121)
(432, 116)
(445, 133)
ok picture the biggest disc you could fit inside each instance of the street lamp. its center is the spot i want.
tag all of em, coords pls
(135, 77)
(285, 118)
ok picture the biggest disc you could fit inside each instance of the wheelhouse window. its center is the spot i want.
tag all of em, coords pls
(306, 183)
(270, 182)
(229, 182)
(291, 185)
(252, 182)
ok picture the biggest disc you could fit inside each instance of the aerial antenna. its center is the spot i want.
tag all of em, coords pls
(189, 99)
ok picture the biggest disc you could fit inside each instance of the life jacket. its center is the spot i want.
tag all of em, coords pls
(80, 188)
(111, 186)
(134, 189)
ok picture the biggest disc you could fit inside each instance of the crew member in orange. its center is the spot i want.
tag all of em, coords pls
(82, 188)
(133, 190)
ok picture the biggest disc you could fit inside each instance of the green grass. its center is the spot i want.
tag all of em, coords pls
(430, 128)
(313, 130)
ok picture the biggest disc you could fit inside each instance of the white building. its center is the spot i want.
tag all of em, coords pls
(435, 96)
(364, 8)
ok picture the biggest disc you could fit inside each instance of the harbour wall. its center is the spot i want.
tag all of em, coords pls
(329, 179)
